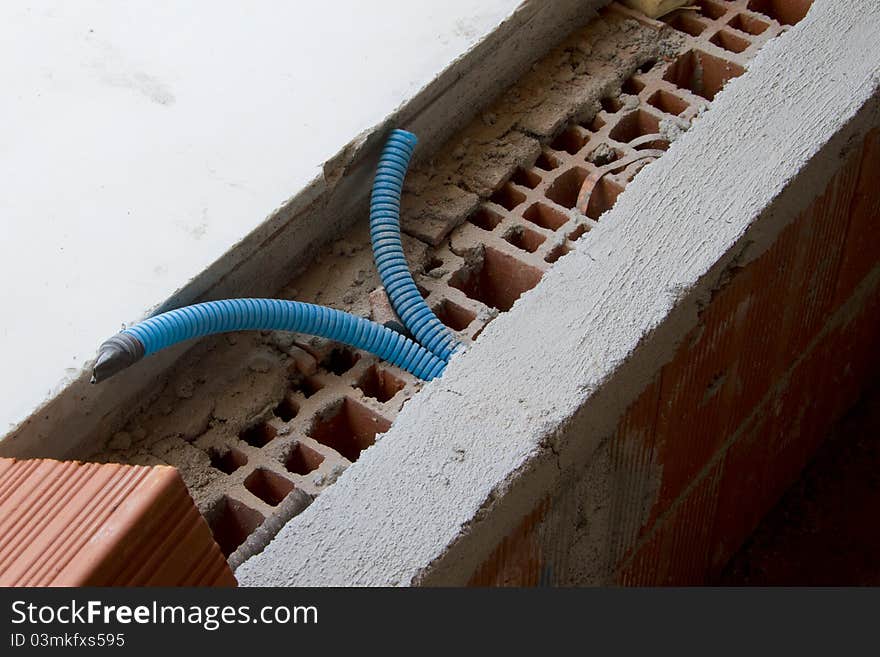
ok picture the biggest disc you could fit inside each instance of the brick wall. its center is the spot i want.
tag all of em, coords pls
(781, 351)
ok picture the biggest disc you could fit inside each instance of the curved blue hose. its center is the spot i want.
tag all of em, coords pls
(202, 319)
(425, 358)
(405, 297)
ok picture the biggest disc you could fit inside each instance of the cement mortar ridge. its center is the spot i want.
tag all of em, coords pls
(615, 307)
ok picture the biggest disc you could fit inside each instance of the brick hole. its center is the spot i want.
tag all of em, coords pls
(422, 290)
(546, 162)
(786, 12)
(433, 263)
(711, 9)
(667, 102)
(526, 178)
(485, 218)
(632, 86)
(685, 21)
(308, 386)
(569, 140)
(578, 232)
(596, 124)
(231, 522)
(302, 460)
(508, 197)
(659, 144)
(286, 409)
(270, 487)
(453, 315)
(604, 196)
(635, 124)
(557, 252)
(748, 24)
(259, 435)
(497, 280)
(547, 217)
(701, 73)
(524, 239)
(228, 460)
(348, 427)
(379, 383)
(564, 191)
(729, 41)
(340, 360)
(647, 66)
(611, 104)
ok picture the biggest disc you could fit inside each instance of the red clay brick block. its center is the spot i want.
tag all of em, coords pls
(517, 560)
(633, 453)
(678, 551)
(89, 524)
(861, 255)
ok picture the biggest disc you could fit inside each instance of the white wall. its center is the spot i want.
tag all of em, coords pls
(140, 140)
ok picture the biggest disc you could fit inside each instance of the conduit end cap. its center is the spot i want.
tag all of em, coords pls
(115, 354)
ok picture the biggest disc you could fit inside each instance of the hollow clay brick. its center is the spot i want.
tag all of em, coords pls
(89, 524)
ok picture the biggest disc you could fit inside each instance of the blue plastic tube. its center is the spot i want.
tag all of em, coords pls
(405, 297)
(167, 329)
(425, 358)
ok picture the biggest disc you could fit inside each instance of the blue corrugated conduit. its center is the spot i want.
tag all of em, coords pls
(212, 317)
(425, 359)
(405, 297)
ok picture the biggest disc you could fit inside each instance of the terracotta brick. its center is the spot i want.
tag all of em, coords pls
(89, 524)
(815, 267)
(743, 492)
(757, 367)
(778, 441)
(693, 410)
(518, 559)
(633, 456)
(861, 255)
(677, 553)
